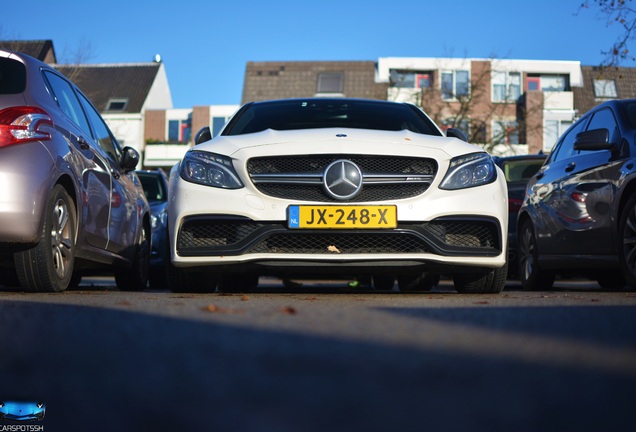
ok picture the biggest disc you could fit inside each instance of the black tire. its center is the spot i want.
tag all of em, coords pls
(611, 280)
(383, 282)
(531, 275)
(48, 266)
(182, 281)
(158, 278)
(490, 282)
(420, 282)
(627, 238)
(136, 277)
(238, 283)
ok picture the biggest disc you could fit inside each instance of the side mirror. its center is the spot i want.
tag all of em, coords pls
(596, 139)
(129, 159)
(456, 133)
(203, 135)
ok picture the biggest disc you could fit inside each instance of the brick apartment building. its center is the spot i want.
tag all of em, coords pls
(511, 106)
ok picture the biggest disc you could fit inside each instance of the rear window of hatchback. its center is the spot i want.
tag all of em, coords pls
(12, 76)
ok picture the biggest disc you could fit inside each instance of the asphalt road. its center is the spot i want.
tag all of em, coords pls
(322, 358)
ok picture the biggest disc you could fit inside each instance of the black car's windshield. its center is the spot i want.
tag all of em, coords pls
(153, 187)
(329, 113)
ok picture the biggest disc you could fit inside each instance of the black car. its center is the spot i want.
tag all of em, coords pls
(579, 213)
(518, 170)
(155, 185)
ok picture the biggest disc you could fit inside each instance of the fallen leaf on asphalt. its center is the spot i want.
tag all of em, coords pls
(245, 298)
(288, 310)
(216, 309)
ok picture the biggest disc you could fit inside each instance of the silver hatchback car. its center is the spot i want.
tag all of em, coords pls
(70, 201)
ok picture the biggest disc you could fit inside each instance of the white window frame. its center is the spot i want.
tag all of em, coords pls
(495, 126)
(605, 89)
(453, 73)
(509, 78)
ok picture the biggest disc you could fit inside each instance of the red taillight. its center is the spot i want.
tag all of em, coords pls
(23, 124)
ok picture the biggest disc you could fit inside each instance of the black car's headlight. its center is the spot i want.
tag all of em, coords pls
(468, 171)
(210, 169)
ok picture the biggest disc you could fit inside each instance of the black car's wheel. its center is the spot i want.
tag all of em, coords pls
(611, 280)
(490, 282)
(419, 282)
(383, 282)
(182, 281)
(238, 283)
(136, 277)
(531, 276)
(48, 266)
(627, 247)
(158, 278)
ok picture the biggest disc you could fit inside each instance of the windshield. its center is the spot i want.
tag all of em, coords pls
(153, 187)
(329, 113)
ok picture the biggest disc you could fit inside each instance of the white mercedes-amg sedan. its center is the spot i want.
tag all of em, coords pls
(336, 188)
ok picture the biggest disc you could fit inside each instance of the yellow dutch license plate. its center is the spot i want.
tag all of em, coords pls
(342, 217)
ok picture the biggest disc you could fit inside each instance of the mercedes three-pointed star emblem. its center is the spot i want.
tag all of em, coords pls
(342, 179)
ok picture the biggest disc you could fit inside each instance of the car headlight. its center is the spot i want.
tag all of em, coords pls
(159, 220)
(209, 169)
(468, 171)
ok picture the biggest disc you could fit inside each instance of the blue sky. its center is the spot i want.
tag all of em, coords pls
(205, 44)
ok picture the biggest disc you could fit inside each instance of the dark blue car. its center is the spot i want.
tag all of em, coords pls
(22, 411)
(579, 212)
(155, 185)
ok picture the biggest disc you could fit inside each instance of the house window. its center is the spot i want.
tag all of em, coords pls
(179, 131)
(412, 79)
(461, 124)
(455, 84)
(552, 130)
(402, 79)
(217, 125)
(331, 82)
(534, 84)
(116, 104)
(505, 132)
(605, 89)
(506, 86)
(424, 80)
(552, 83)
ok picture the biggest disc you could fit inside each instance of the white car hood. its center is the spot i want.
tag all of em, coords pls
(337, 140)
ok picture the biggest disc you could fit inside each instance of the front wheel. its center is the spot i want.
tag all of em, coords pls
(48, 266)
(627, 247)
(531, 276)
(490, 282)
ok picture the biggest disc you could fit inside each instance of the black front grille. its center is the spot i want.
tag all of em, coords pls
(318, 163)
(299, 178)
(370, 193)
(237, 236)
